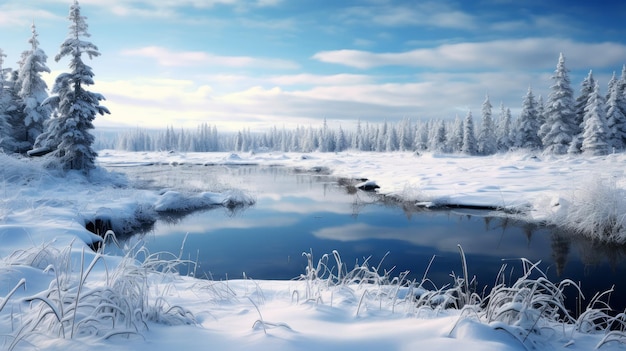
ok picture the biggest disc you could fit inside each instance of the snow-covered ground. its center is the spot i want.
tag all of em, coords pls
(57, 294)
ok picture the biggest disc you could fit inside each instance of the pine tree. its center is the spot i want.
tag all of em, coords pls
(616, 119)
(340, 143)
(392, 144)
(455, 139)
(8, 109)
(595, 133)
(405, 138)
(75, 108)
(357, 138)
(541, 115)
(586, 89)
(440, 140)
(559, 127)
(504, 129)
(621, 90)
(421, 136)
(32, 90)
(528, 128)
(487, 135)
(469, 139)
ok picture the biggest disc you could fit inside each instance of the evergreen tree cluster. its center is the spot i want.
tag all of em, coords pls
(22, 92)
(34, 122)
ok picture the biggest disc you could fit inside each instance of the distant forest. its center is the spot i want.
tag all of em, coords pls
(588, 123)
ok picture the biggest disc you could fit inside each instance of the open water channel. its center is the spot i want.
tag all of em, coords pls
(306, 211)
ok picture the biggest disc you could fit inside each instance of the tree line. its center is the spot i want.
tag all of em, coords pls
(590, 123)
(57, 124)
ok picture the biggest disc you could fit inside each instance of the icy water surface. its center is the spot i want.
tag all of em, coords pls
(298, 212)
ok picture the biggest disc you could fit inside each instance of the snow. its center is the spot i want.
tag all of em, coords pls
(123, 303)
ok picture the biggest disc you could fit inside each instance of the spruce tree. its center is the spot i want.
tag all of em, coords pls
(595, 132)
(528, 128)
(560, 126)
(440, 139)
(487, 135)
(32, 90)
(469, 139)
(616, 119)
(340, 142)
(455, 141)
(67, 134)
(503, 132)
(586, 89)
(8, 109)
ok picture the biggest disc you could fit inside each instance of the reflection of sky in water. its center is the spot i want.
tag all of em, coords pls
(295, 213)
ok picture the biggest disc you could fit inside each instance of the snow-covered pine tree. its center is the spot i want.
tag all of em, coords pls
(439, 140)
(469, 139)
(621, 93)
(392, 143)
(503, 130)
(357, 137)
(67, 134)
(586, 89)
(595, 132)
(341, 142)
(616, 119)
(16, 114)
(8, 109)
(32, 90)
(404, 135)
(420, 140)
(560, 126)
(541, 114)
(366, 139)
(528, 127)
(455, 135)
(5, 127)
(487, 135)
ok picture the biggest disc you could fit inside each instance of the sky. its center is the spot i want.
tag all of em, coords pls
(261, 63)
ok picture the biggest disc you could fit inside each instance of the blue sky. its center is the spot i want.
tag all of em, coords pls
(258, 63)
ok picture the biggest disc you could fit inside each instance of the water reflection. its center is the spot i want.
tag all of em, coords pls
(299, 212)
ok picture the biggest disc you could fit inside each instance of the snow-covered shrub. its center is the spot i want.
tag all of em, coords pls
(596, 210)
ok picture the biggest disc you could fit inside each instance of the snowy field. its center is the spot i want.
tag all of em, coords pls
(57, 294)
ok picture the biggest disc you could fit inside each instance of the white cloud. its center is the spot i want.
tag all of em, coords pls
(19, 16)
(165, 57)
(170, 8)
(313, 79)
(423, 13)
(531, 53)
(185, 103)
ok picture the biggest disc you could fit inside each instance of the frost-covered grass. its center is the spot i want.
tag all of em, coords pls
(530, 308)
(92, 300)
(89, 296)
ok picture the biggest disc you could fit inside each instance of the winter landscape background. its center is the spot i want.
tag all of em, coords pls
(553, 158)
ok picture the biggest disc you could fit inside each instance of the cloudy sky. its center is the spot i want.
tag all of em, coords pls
(257, 63)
